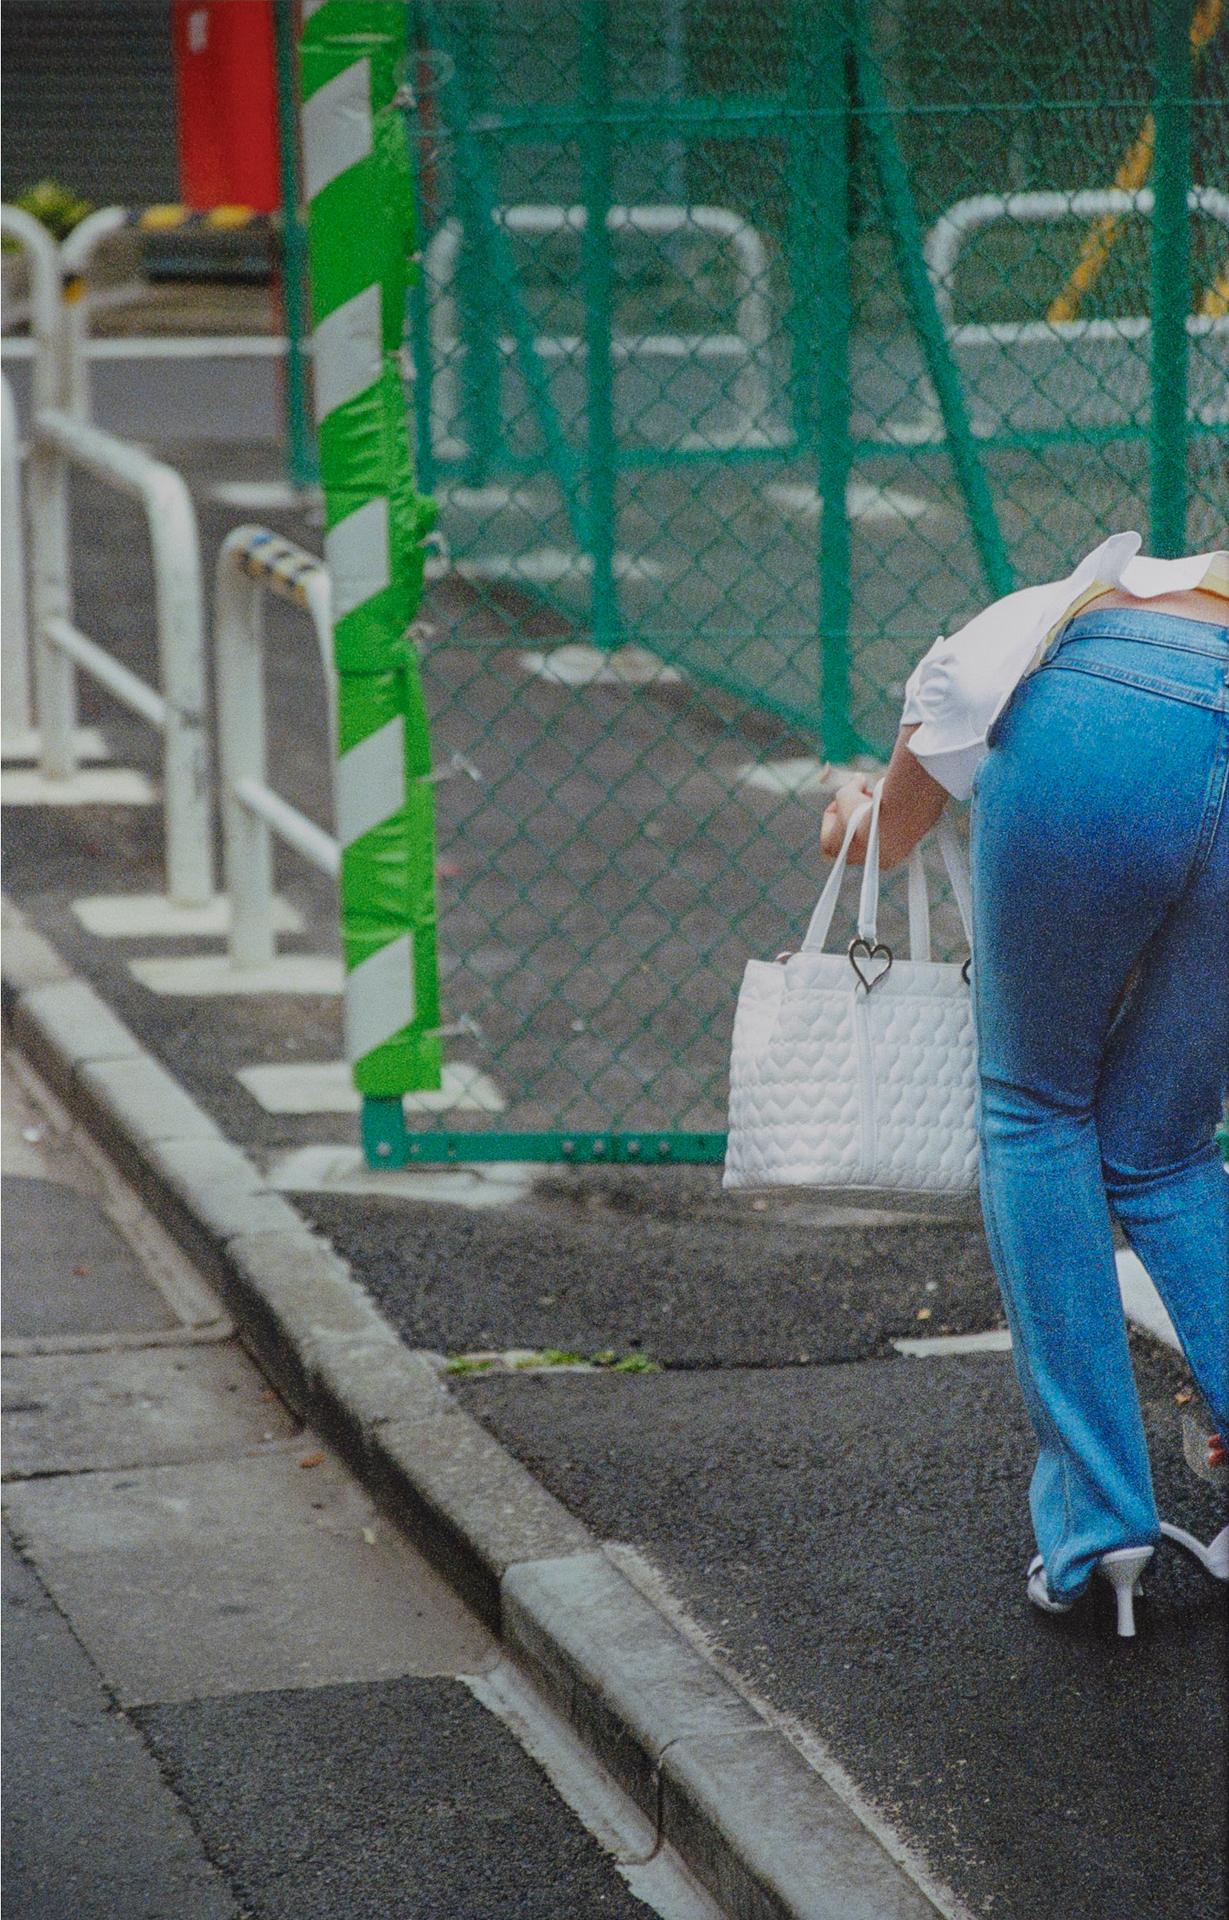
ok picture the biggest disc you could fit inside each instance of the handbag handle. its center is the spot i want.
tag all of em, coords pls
(817, 929)
(868, 902)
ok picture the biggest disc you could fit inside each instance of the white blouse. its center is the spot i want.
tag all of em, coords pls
(958, 689)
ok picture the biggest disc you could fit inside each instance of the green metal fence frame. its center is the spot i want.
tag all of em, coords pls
(820, 105)
(834, 74)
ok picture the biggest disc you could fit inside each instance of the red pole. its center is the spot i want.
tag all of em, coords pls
(227, 99)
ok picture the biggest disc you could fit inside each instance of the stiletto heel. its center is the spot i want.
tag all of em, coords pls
(1123, 1570)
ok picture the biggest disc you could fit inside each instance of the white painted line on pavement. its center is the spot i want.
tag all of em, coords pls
(209, 975)
(881, 505)
(544, 566)
(171, 346)
(580, 665)
(151, 916)
(327, 1086)
(328, 1169)
(1141, 1303)
(998, 1341)
(91, 787)
(805, 775)
(491, 498)
(261, 496)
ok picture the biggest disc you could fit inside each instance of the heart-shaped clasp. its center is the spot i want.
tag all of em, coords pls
(863, 948)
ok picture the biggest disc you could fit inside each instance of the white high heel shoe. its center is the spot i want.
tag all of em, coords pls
(1123, 1569)
(1214, 1558)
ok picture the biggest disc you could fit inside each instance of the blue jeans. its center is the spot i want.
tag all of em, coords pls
(1100, 866)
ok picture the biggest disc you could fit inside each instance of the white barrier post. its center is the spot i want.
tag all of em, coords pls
(253, 561)
(247, 850)
(76, 258)
(179, 709)
(14, 632)
(54, 689)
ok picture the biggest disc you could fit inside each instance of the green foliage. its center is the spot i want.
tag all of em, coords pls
(57, 206)
(607, 1360)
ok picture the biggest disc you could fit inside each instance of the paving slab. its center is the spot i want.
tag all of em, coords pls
(87, 1412)
(90, 1827)
(157, 1565)
(853, 1539)
(79, 1276)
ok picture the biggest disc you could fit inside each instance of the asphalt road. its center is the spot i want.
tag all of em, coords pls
(854, 1539)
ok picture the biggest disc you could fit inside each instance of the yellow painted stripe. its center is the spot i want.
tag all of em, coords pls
(161, 219)
(1133, 171)
(1215, 302)
(226, 218)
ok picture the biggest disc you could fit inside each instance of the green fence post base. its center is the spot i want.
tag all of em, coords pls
(385, 1140)
(388, 1144)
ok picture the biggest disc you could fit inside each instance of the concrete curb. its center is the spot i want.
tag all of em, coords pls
(753, 1820)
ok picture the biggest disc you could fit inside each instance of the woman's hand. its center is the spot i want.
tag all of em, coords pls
(912, 802)
(837, 814)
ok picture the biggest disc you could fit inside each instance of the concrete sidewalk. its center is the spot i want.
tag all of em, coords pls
(232, 1686)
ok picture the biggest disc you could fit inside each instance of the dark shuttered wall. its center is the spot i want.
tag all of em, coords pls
(88, 98)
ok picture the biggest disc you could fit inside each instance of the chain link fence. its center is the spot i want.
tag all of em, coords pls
(753, 347)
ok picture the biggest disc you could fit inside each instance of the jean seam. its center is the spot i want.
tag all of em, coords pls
(1217, 702)
(1213, 807)
(1032, 1396)
(1127, 623)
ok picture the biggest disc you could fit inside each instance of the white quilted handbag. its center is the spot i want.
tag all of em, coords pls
(856, 1071)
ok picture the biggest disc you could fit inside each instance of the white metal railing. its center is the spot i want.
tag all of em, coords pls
(67, 352)
(748, 344)
(252, 562)
(947, 235)
(47, 338)
(76, 258)
(17, 719)
(47, 326)
(177, 708)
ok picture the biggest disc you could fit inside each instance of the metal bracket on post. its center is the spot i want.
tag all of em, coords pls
(386, 1140)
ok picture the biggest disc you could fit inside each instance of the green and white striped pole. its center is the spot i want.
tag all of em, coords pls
(361, 234)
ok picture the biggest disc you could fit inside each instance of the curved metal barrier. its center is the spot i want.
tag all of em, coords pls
(61, 649)
(252, 562)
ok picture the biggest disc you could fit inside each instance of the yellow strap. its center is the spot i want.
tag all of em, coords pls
(1215, 581)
